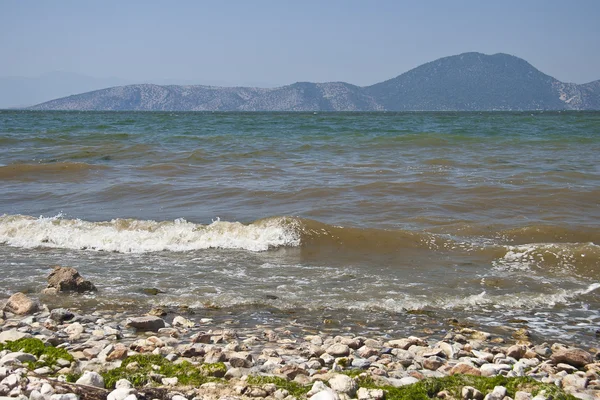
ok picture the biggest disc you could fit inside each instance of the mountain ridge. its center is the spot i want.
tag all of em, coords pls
(465, 82)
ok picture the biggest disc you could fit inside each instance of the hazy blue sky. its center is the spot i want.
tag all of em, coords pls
(280, 42)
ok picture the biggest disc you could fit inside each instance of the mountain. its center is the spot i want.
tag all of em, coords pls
(469, 81)
(16, 91)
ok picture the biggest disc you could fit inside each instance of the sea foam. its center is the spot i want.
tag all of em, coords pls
(143, 236)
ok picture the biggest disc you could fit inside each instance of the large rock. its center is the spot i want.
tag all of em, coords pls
(343, 384)
(12, 334)
(91, 378)
(20, 304)
(148, 323)
(575, 357)
(67, 279)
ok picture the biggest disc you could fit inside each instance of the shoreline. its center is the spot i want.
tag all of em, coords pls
(277, 362)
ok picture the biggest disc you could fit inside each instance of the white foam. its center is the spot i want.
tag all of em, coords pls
(139, 236)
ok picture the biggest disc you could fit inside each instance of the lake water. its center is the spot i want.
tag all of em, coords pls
(380, 223)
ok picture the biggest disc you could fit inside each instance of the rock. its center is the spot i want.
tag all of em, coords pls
(517, 351)
(67, 396)
(469, 392)
(574, 382)
(325, 395)
(214, 355)
(67, 279)
(123, 384)
(74, 330)
(91, 378)
(343, 384)
(522, 396)
(121, 393)
(433, 363)
(183, 322)
(119, 352)
(148, 323)
(320, 391)
(465, 369)
(405, 343)
(338, 350)
(240, 362)
(151, 291)
(574, 356)
(11, 335)
(17, 356)
(157, 312)
(370, 394)
(291, 371)
(366, 352)
(169, 381)
(20, 304)
(407, 380)
(60, 315)
(498, 393)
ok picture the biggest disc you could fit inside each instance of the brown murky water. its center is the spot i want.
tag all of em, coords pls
(372, 222)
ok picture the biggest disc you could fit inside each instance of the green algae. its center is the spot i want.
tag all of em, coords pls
(430, 387)
(140, 370)
(47, 355)
(295, 389)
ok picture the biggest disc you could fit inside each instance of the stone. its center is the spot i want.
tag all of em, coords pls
(12, 334)
(291, 371)
(123, 384)
(118, 353)
(67, 279)
(169, 381)
(498, 393)
(121, 393)
(91, 378)
(405, 343)
(320, 391)
(574, 356)
(240, 362)
(366, 352)
(433, 363)
(574, 382)
(523, 396)
(148, 323)
(470, 393)
(343, 384)
(517, 351)
(66, 396)
(214, 355)
(17, 356)
(464, 369)
(325, 395)
(183, 322)
(370, 394)
(60, 315)
(338, 350)
(20, 304)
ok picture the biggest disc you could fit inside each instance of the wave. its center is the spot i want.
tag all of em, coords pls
(313, 238)
(53, 171)
(143, 236)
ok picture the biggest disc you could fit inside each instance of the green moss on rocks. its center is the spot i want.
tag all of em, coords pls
(429, 388)
(295, 389)
(140, 368)
(46, 355)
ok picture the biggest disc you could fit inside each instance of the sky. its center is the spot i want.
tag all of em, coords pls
(269, 43)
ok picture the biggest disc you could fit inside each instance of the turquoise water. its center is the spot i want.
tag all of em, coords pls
(366, 219)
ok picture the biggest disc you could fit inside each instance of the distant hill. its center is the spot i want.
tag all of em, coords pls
(17, 91)
(465, 82)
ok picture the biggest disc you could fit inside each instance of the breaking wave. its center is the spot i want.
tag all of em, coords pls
(143, 236)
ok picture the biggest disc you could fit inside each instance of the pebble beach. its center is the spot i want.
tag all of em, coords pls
(65, 354)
